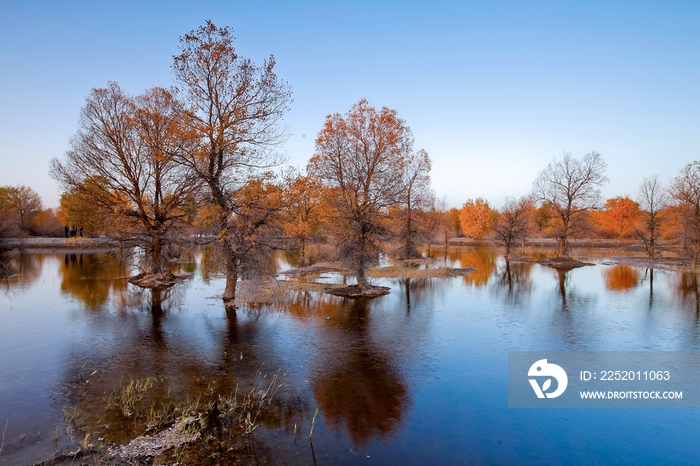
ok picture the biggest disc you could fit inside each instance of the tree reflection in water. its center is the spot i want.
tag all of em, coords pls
(649, 277)
(25, 269)
(93, 278)
(620, 278)
(152, 345)
(363, 363)
(481, 259)
(514, 281)
(689, 291)
(356, 384)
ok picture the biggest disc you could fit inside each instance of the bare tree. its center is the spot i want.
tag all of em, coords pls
(415, 202)
(446, 224)
(232, 115)
(685, 190)
(515, 222)
(653, 198)
(570, 187)
(121, 159)
(360, 157)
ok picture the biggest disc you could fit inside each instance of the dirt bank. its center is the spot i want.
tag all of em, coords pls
(56, 243)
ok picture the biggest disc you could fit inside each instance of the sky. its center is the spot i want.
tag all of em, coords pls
(493, 91)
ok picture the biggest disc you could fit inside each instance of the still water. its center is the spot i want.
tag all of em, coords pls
(415, 377)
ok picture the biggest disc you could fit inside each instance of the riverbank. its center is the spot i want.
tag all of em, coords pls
(606, 251)
(56, 243)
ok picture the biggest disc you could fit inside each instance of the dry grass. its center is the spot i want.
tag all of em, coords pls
(173, 428)
(270, 291)
(402, 272)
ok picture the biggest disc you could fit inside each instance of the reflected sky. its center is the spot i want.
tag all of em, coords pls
(413, 376)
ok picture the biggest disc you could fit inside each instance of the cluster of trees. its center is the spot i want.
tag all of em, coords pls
(22, 214)
(566, 203)
(148, 167)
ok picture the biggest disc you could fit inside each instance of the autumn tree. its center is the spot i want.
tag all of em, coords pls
(78, 207)
(620, 215)
(27, 204)
(122, 158)
(453, 214)
(570, 187)
(477, 218)
(232, 108)
(9, 218)
(19, 208)
(685, 191)
(360, 157)
(515, 222)
(302, 222)
(256, 225)
(440, 222)
(543, 215)
(416, 196)
(653, 199)
(46, 223)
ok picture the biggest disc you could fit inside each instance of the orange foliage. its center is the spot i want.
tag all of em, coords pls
(302, 219)
(207, 217)
(620, 278)
(477, 218)
(619, 215)
(483, 260)
(78, 208)
(361, 156)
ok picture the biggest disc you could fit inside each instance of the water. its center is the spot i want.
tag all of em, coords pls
(415, 377)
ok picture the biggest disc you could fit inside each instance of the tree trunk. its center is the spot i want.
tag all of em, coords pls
(156, 251)
(231, 278)
(408, 246)
(360, 262)
(562, 247)
(156, 301)
(361, 278)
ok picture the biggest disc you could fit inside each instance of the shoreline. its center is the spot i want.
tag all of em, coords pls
(622, 252)
(9, 244)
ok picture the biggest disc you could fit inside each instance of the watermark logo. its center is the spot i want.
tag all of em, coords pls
(543, 369)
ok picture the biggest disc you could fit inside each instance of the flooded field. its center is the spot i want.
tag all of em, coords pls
(415, 377)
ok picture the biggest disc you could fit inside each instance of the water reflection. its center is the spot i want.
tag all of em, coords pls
(483, 260)
(387, 374)
(649, 279)
(188, 360)
(359, 389)
(25, 269)
(621, 277)
(689, 291)
(93, 278)
(514, 281)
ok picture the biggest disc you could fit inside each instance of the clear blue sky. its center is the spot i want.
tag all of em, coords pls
(492, 90)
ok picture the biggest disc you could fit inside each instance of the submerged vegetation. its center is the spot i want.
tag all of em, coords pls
(160, 429)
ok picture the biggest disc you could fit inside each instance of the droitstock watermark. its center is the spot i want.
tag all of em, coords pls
(604, 379)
